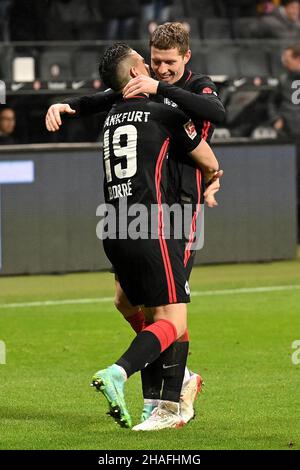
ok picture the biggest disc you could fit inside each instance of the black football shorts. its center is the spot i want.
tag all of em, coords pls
(151, 272)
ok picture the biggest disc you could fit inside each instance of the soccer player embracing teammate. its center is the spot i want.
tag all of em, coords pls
(197, 96)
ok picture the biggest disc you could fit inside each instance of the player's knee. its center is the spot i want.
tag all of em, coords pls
(174, 313)
(123, 306)
(118, 303)
(179, 324)
(180, 328)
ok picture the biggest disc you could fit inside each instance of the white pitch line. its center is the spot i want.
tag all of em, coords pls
(49, 303)
(243, 290)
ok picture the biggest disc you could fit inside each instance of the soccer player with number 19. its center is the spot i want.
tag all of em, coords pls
(197, 96)
(137, 135)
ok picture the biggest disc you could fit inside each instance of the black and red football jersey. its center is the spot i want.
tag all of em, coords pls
(197, 96)
(187, 181)
(137, 135)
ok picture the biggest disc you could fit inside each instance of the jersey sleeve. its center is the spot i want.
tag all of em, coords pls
(201, 103)
(181, 128)
(92, 104)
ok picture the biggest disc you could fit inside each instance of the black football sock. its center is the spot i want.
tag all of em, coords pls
(173, 362)
(144, 349)
(152, 380)
(147, 346)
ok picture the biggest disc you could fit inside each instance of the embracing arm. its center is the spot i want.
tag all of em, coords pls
(203, 105)
(79, 106)
(93, 104)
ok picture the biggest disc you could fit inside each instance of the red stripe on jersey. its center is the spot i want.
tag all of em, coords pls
(189, 76)
(162, 240)
(160, 213)
(206, 130)
(187, 253)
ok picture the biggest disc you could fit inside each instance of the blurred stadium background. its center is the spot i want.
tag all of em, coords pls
(50, 186)
(51, 48)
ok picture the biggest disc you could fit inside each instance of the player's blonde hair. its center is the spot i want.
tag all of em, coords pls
(169, 36)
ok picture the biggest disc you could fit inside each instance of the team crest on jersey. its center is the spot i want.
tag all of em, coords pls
(190, 129)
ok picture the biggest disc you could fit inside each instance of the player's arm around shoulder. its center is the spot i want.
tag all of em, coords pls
(79, 106)
(199, 99)
(53, 115)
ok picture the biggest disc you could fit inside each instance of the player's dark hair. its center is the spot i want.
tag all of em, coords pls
(295, 49)
(108, 67)
(169, 36)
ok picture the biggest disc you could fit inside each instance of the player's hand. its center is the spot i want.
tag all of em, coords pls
(140, 84)
(53, 119)
(212, 189)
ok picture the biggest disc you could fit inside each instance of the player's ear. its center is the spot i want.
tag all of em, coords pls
(187, 56)
(133, 72)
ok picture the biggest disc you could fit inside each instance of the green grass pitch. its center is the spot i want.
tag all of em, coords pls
(241, 342)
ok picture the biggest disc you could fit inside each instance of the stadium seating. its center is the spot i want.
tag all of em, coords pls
(56, 64)
(144, 30)
(253, 63)
(23, 69)
(222, 61)
(178, 10)
(242, 27)
(143, 49)
(276, 65)
(224, 48)
(5, 63)
(86, 63)
(221, 133)
(198, 62)
(199, 8)
(217, 28)
(234, 60)
(264, 132)
(91, 31)
(4, 20)
(192, 25)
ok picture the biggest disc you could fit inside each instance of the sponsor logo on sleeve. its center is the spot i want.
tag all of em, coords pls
(190, 129)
